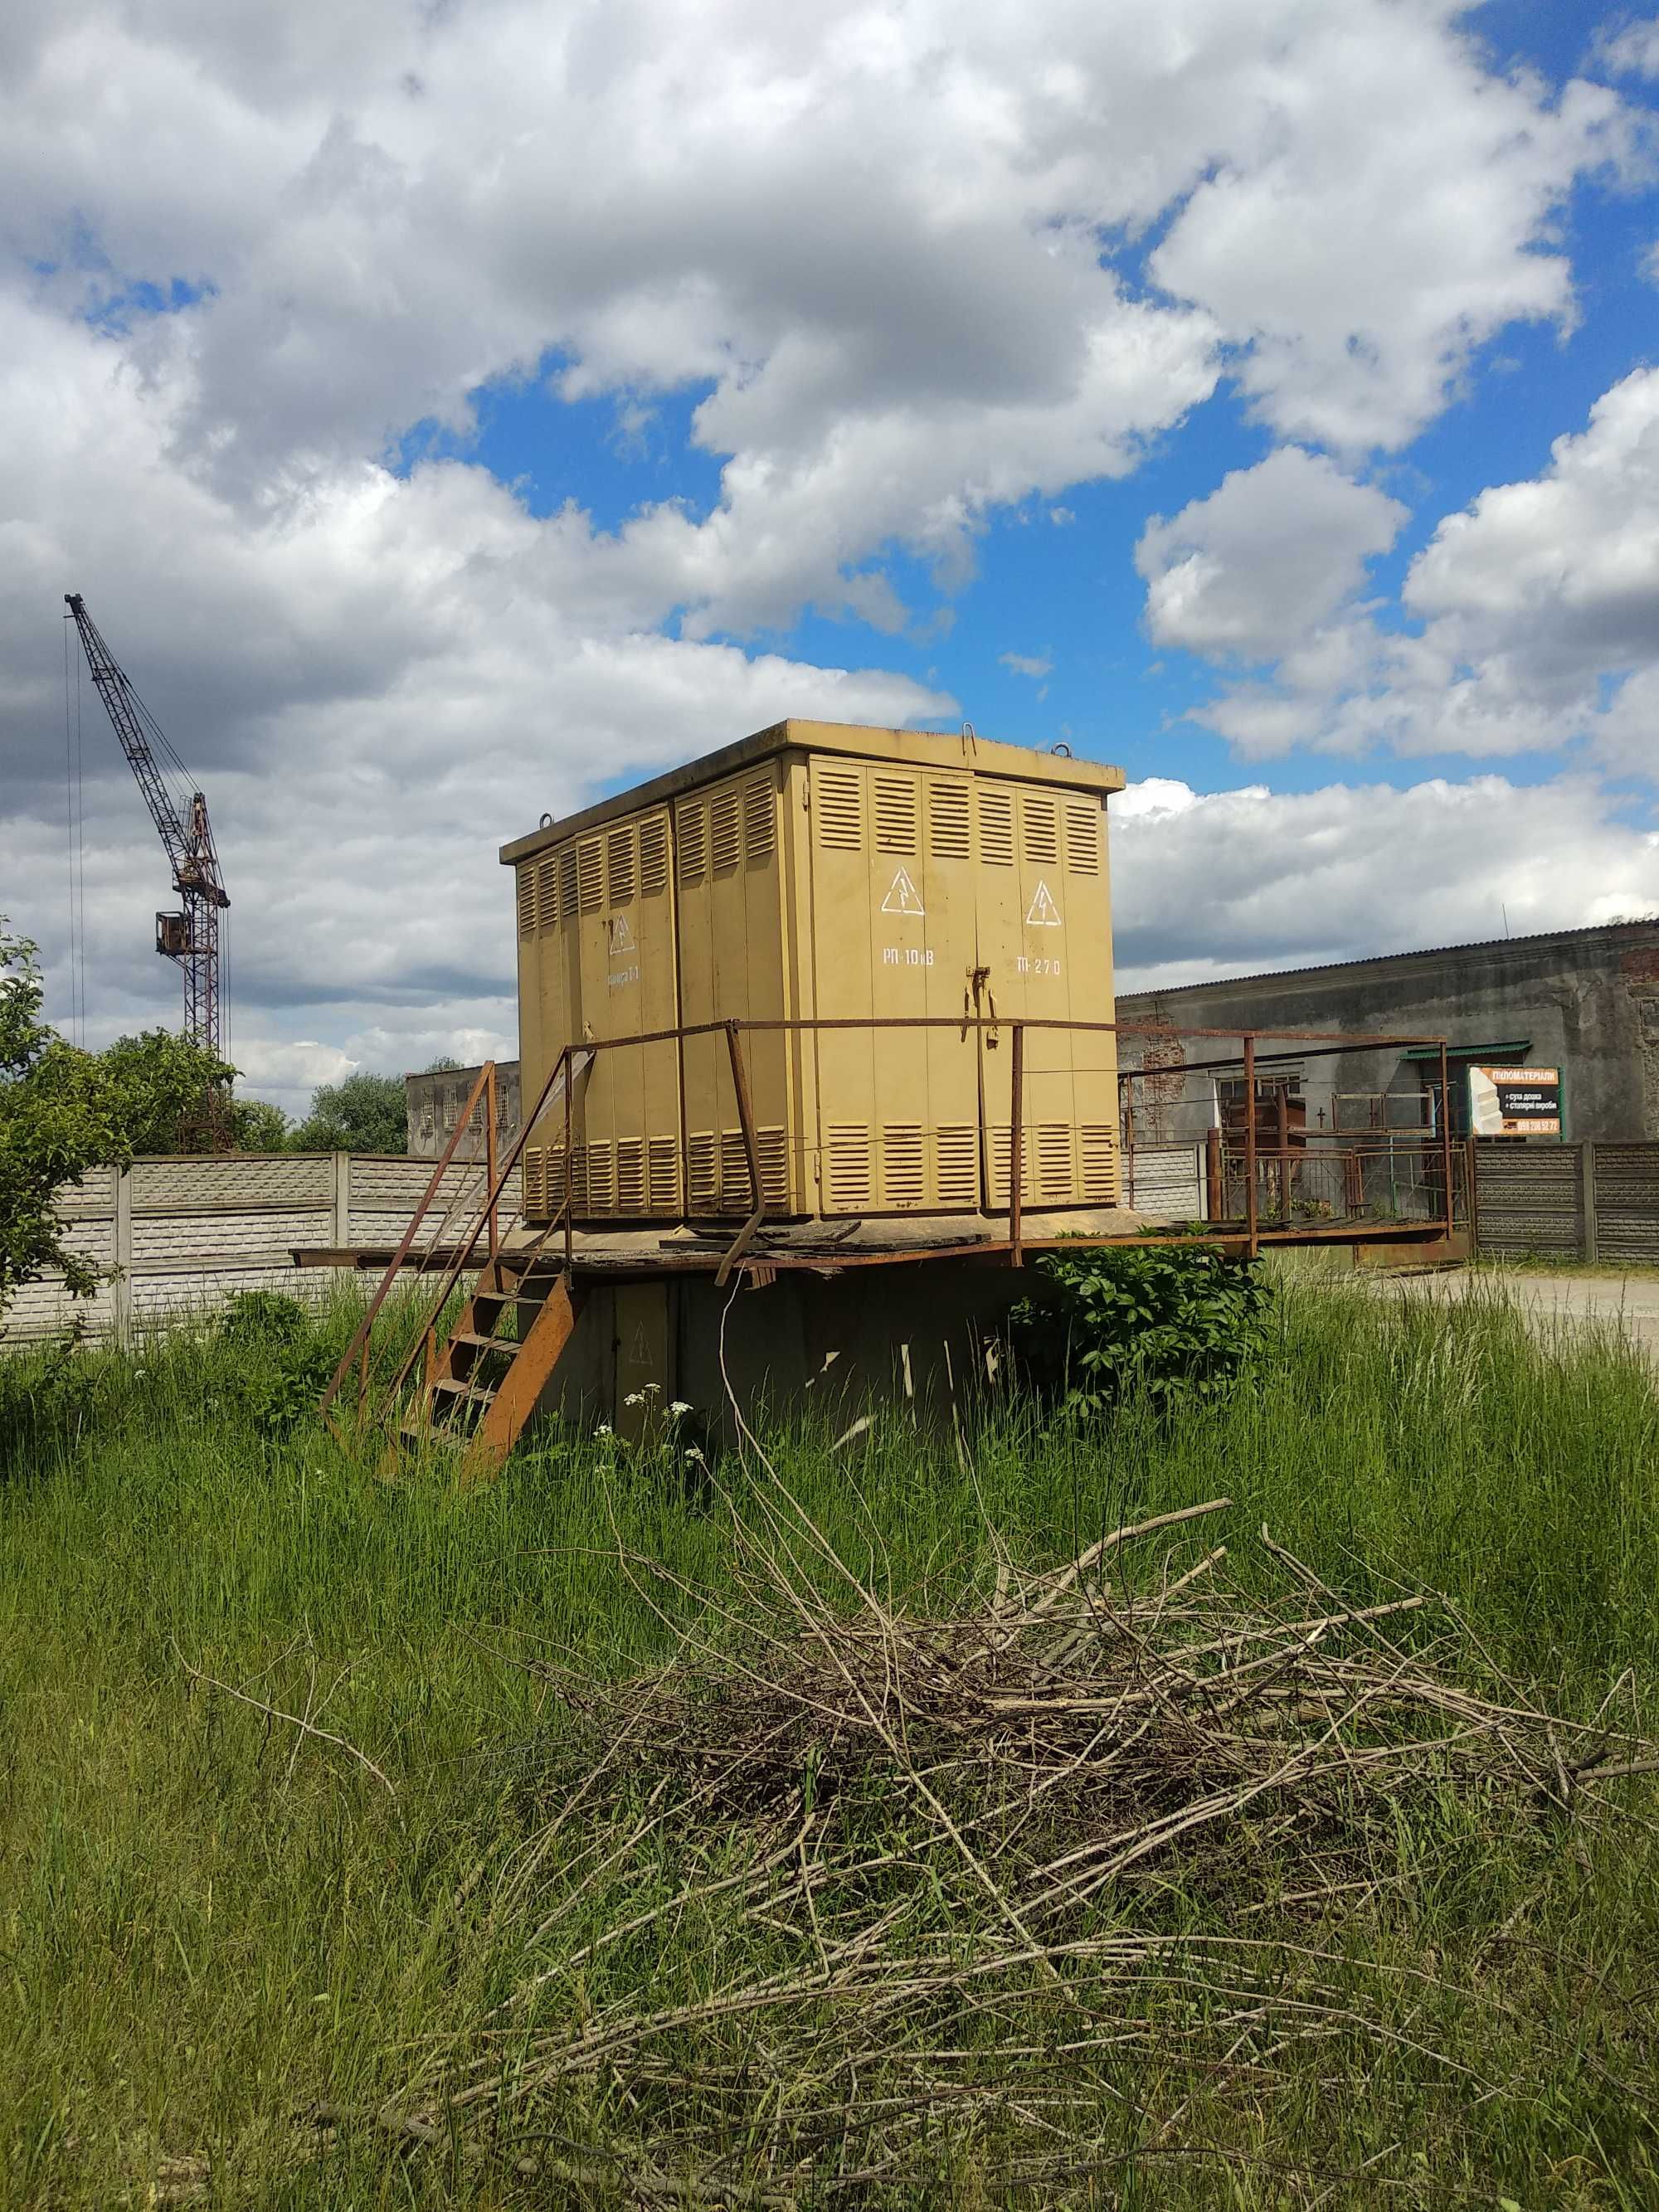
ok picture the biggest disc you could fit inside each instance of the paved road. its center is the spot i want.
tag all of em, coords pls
(1626, 1302)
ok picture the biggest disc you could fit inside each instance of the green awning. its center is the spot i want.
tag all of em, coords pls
(1512, 1053)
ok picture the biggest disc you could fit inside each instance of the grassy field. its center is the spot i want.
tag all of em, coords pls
(243, 1964)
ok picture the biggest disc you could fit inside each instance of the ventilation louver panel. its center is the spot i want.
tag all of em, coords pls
(760, 833)
(547, 893)
(691, 839)
(995, 811)
(663, 1155)
(590, 875)
(846, 1167)
(956, 1173)
(840, 802)
(1083, 839)
(630, 1174)
(895, 813)
(566, 883)
(653, 857)
(601, 1180)
(620, 858)
(949, 821)
(703, 1169)
(724, 831)
(1040, 822)
(526, 902)
(535, 1181)
(773, 1145)
(903, 1165)
(735, 1196)
(1099, 1164)
(1052, 1143)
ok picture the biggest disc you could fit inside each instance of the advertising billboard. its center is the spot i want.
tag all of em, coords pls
(1515, 1102)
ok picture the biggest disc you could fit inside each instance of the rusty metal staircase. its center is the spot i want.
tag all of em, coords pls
(479, 1391)
(472, 1391)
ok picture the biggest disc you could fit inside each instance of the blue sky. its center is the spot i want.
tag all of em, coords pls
(451, 414)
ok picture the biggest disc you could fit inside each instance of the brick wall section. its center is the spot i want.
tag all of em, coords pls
(180, 1236)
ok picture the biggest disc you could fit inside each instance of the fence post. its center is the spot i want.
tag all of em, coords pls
(342, 1200)
(1592, 1243)
(1253, 1241)
(122, 1314)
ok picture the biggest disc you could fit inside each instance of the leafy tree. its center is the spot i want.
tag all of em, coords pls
(360, 1114)
(165, 1087)
(445, 1064)
(257, 1126)
(57, 1119)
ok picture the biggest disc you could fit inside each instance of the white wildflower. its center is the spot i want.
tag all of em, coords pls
(604, 1429)
(678, 1409)
(634, 1398)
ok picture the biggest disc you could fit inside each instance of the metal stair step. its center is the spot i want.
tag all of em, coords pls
(485, 1343)
(452, 1388)
(427, 1433)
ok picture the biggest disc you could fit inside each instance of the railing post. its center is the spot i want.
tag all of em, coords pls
(1587, 1201)
(1446, 1138)
(1215, 1199)
(1017, 1147)
(489, 1152)
(342, 1200)
(1253, 1241)
(569, 1163)
(121, 1298)
(751, 1151)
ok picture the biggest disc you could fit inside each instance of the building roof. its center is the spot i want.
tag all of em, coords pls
(912, 747)
(1613, 930)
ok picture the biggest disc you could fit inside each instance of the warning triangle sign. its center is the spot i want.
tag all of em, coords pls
(1044, 913)
(902, 896)
(622, 937)
(638, 1352)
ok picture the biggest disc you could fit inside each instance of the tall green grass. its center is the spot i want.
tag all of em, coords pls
(211, 1925)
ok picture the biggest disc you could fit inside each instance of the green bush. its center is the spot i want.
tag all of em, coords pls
(1167, 1324)
(263, 1319)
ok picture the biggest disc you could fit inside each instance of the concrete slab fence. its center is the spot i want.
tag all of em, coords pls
(177, 1237)
(1594, 1202)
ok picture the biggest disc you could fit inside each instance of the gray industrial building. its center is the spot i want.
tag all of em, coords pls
(1582, 1002)
(437, 1099)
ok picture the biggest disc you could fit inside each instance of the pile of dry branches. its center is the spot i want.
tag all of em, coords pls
(843, 1896)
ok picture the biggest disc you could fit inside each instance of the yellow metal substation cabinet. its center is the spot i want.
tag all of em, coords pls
(819, 872)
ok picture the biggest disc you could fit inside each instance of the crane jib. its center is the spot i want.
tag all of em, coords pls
(189, 938)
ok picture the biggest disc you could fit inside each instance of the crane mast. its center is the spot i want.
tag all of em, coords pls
(190, 937)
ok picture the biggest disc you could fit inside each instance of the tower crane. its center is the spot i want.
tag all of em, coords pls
(191, 936)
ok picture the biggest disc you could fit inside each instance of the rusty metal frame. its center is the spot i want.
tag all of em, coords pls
(1326, 1042)
(358, 1347)
(457, 1259)
(1012, 1249)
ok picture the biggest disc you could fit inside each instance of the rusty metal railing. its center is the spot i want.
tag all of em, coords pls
(486, 1217)
(1324, 1042)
